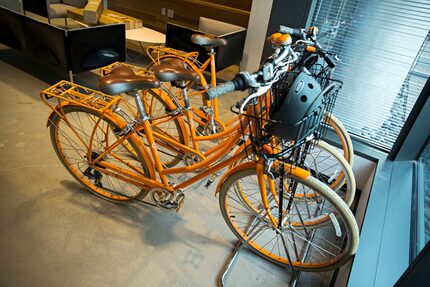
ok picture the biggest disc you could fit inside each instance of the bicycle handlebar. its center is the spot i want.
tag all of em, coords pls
(327, 58)
(239, 83)
(220, 90)
(300, 33)
(295, 32)
(245, 80)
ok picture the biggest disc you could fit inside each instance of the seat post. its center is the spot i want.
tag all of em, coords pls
(211, 54)
(142, 113)
(185, 95)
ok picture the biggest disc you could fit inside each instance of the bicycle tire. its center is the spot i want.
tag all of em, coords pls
(67, 138)
(343, 222)
(345, 141)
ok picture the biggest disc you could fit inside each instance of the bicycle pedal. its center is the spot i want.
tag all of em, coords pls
(208, 183)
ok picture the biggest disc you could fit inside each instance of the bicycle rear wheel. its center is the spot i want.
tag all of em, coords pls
(300, 240)
(80, 129)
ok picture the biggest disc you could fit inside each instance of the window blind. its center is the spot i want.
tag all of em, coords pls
(385, 61)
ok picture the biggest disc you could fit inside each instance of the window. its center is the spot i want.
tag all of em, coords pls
(424, 183)
(385, 61)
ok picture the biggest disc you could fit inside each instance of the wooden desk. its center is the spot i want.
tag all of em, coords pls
(107, 17)
(145, 35)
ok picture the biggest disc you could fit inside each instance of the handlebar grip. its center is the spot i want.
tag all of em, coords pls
(220, 90)
(292, 31)
(329, 60)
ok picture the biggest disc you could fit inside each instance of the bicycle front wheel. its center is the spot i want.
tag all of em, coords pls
(80, 129)
(299, 240)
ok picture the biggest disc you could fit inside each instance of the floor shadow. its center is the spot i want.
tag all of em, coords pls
(159, 226)
(158, 223)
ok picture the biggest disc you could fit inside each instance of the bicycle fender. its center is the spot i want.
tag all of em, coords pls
(297, 171)
(243, 165)
(56, 110)
(59, 107)
(290, 169)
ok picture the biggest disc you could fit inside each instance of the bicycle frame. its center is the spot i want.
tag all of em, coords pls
(139, 179)
(234, 124)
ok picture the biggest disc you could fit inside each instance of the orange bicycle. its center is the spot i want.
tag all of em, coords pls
(277, 208)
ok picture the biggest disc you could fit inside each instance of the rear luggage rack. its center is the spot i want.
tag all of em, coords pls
(67, 92)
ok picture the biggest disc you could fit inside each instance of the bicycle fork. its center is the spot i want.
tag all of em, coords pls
(263, 193)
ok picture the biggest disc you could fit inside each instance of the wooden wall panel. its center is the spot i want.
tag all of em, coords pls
(238, 4)
(186, 12)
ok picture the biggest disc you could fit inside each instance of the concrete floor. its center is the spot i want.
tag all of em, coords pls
(54, 233)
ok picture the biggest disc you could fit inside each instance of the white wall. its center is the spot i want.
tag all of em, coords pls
(256, 34)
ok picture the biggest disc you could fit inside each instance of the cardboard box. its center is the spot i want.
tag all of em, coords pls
(107, 17)
(92, 11)
(110, 16)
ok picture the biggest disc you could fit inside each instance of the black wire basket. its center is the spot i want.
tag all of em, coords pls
(271, 136)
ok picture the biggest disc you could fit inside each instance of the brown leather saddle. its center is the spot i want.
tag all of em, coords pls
(123, 80)
(175, 70)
